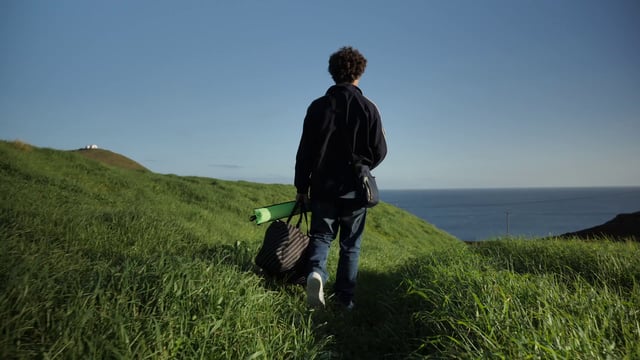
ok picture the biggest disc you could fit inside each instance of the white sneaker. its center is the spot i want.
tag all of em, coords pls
(315, 294)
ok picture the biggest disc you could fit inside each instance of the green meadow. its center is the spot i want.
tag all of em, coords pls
(102, 259)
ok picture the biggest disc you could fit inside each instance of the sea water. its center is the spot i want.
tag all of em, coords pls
(480, 214)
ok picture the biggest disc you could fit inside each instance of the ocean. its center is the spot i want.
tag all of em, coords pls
(480, 214)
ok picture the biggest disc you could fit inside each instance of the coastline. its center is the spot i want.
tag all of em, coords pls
(481, 214)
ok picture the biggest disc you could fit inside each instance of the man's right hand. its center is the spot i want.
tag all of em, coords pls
(304, 198)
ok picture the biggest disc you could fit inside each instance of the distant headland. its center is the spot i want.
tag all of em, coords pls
(622, 227)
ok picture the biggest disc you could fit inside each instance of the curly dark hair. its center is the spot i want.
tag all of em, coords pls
(346, 65)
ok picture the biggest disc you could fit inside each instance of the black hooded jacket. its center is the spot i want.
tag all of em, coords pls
(331, 141)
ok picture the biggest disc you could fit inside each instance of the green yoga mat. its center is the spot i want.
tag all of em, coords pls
(273, 212)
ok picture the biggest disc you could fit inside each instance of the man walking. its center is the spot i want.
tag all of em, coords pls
(339, 127)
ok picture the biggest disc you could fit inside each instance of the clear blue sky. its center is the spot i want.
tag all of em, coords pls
(472, 93)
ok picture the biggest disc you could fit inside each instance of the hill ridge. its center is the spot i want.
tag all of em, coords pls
(111, 158)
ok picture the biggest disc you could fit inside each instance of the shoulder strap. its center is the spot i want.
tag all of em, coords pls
(347, 140)
(341, 130)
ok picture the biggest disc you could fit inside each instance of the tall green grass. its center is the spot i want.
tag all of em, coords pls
(103, 262)
(547, 299)
(98, 261)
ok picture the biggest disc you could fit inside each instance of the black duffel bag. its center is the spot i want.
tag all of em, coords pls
(284, 246)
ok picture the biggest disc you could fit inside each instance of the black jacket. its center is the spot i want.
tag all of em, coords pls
(324, 159)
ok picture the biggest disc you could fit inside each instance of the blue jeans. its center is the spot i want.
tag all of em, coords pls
(327, 217)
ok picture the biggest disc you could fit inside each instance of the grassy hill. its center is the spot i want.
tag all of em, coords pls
(101, 261)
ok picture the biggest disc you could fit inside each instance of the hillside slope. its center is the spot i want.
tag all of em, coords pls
(98, 260)
(39, 180)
